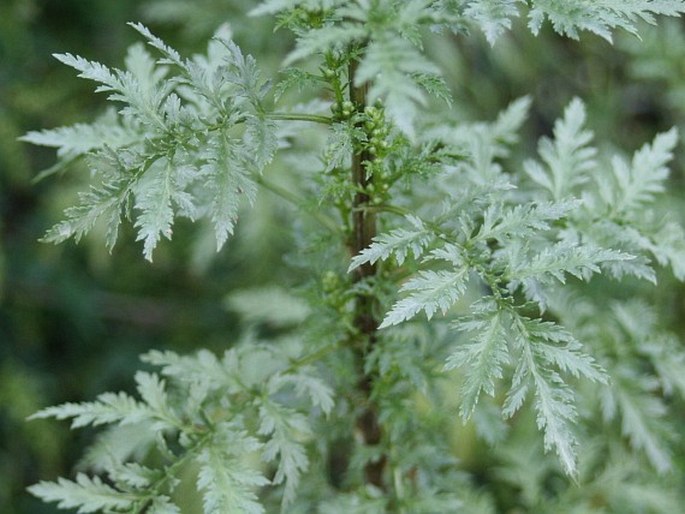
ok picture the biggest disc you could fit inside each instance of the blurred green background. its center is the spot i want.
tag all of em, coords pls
(74, 319)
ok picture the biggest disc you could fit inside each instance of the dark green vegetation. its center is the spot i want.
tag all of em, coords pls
(333, 396)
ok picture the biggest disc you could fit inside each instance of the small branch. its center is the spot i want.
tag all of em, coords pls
(294, 116)
(291, 197)
(313, 357)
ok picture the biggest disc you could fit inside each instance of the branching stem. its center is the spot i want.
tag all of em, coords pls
(295, 116)
(291, 197)
(366, 324)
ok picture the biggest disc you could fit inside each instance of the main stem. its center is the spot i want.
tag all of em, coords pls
(365, 322)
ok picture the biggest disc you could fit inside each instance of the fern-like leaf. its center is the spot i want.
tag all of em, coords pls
(492, 16)
(482, 358)
(429, 291)
(85, 494)
(569, 157)
(226, 483)
(397, 243)
(599, 17)
(107, 408)
(284, 428)
(645, 177)
(543, 347)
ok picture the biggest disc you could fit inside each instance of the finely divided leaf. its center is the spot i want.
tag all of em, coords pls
(557, 347)
(99, 203)
(153, 198)
(554, 262)
(228, 183)
(163, 505)
(430, 291)
(481, 358)
(79, 139)
(85, 494)
(388, 66)
(506, 127)
(398, 243)
(645, 177)
(305, 384)
(568, 157)
(521, 221)
(285, 429)
(323, 39)
(107, 408)
(599, 16)
(642, 414)
(226, 483)
(493, 16)
(544, 347)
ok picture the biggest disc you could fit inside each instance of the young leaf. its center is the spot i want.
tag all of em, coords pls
(638, 183)
(482, 358)
(430, 291)
(493, 16)
(398, 243)
(108, 408)
(226, 483)
(153, 198)
(227, 183)
(544, 346)
(85, 494)
(284, 428)
(599, 17)
(569, 157)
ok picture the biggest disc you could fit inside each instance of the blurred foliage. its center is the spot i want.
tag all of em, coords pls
(73, 319)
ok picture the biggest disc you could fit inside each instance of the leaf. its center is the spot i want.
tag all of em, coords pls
(285, 429)
(305, 384)
(339, 147)
(600, 16)
(388, 66)
(107, 408)
(163, 505)
(556, 261)
(172, 56)
(92, 70)
(544, 346)
(86, 494)
(506, 127)
(79, 139)
(640, 416)
(521, 221)
(430, 291)
(482, 358)
(227, 183)
(324, 39)
(569, 157)
(226, 483)
(154, 193)
(397, 243)
(669, 248)
(260, 142)
(271, 305)
(638, 183)
(104, 202)
(133, 475)
(492, 16)
(557, 347)
(152, 390)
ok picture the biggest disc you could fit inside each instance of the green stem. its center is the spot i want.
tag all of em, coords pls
(313, 357)
(291, 197)
(295, 116)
